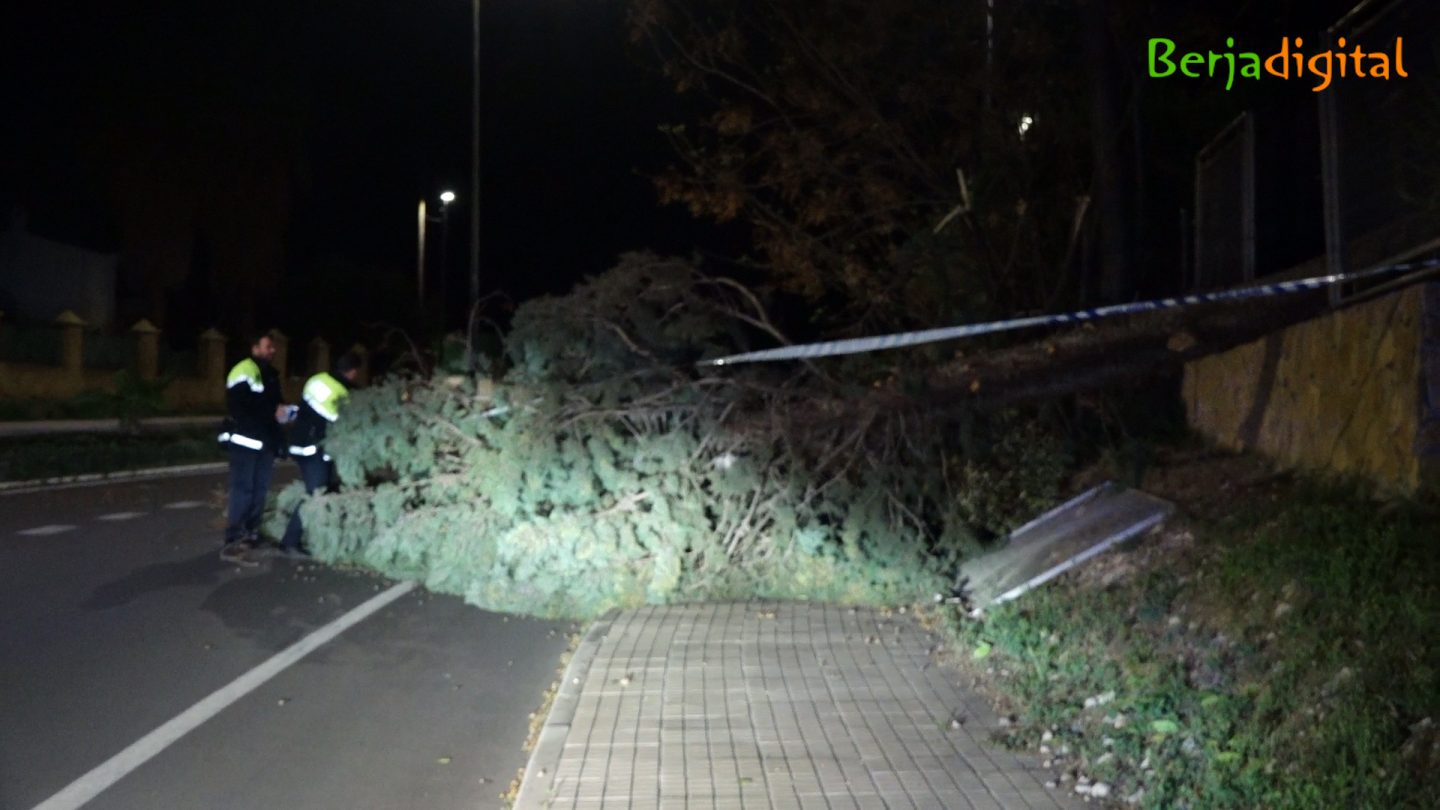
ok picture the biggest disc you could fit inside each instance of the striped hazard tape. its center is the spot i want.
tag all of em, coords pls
(876, 343)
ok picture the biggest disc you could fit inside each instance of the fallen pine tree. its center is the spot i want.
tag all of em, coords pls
(603, 471)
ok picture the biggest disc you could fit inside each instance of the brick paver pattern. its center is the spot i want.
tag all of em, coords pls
(782, 705)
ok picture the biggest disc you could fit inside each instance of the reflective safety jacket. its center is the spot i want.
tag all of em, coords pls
(252, 392)
(323, 397)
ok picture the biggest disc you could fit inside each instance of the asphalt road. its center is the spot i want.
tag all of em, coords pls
(117, 616)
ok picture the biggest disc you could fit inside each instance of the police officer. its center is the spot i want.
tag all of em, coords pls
(324, 394)
(253, 436)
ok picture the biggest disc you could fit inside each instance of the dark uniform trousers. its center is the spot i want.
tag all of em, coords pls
(250, 472)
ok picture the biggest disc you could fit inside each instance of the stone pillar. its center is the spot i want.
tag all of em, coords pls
(212, 358)
(319, 356)
(147, 349)
(282, 354)
(363, 354)
(72, 341)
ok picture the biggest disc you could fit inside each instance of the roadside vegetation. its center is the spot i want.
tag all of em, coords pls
(29, 458)
(131, 400)
(35, 457)
(1278, 646)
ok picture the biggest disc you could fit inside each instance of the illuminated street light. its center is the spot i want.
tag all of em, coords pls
(446, 197)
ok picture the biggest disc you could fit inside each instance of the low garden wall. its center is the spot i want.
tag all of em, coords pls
(202, 389)
(1355, 392)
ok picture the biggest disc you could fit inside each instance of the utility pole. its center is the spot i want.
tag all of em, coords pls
(474, 188)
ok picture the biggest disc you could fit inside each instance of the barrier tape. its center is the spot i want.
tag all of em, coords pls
(832, 348)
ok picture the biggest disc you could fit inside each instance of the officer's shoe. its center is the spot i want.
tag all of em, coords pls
(238, 553)
(292, 553)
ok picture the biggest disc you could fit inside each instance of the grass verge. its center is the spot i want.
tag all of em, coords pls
(1277, 647)
(35, 457)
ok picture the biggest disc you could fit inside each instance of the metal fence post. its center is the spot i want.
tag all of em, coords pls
(1247, 197)
(1330, 181)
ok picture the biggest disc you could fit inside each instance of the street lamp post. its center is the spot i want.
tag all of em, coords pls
(421, 219)
(446, 197)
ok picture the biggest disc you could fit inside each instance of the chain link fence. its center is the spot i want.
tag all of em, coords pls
(108, 352)
(29, 344)
(1378, 147)
(179, 362)
(1225, 208)
(1382, 139)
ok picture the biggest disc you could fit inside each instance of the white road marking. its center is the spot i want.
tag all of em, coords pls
(183, 505)
(121, 516)
(53, 528)
(90, 785)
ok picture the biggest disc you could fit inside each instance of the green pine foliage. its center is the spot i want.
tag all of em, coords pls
(604, 471)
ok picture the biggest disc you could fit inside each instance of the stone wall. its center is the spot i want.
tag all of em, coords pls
(1354, 392)
(204, 392)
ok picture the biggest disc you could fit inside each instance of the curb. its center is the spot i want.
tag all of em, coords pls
(536, 790)
(95, 479)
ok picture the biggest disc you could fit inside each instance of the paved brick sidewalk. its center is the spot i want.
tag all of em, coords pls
(732, 706)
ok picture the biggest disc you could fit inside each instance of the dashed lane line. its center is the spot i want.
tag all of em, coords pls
(53, 528)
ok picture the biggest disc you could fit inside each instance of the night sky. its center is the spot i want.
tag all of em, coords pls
(368, 106)
(333, 118)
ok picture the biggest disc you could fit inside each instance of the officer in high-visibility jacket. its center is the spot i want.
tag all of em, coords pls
(324, 395)
(253, 437)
